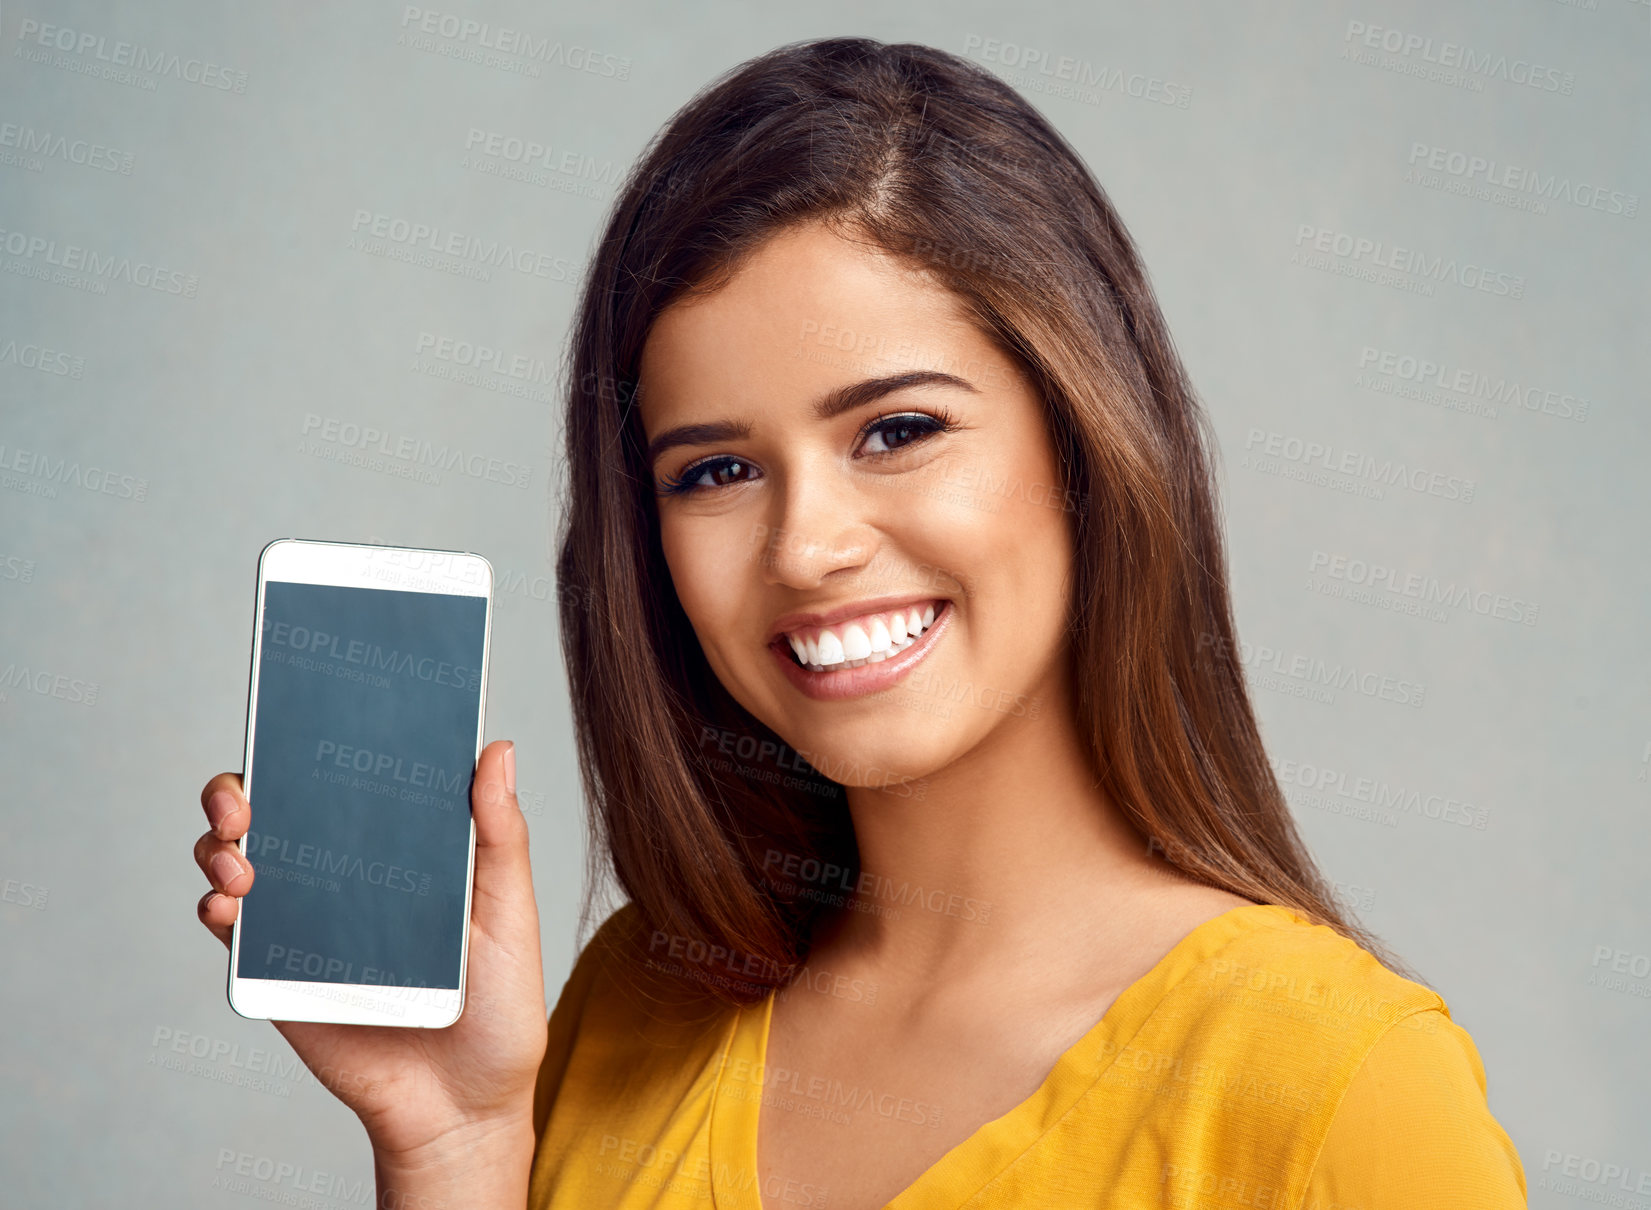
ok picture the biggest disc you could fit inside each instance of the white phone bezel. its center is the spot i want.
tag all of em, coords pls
(359, 565)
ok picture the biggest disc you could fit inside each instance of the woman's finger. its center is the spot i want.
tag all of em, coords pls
(227, 812)
(223, 864)
(218, 912)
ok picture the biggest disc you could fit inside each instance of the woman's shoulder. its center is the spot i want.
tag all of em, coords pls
(1402, 1078)
(1260, 1007)
(1273, 962)
(633, 983)
(1420, 1094)
(609, 950)
(1282, 982)
(618, 941)
(1285, 1044)
(631, 969)
(622, 1016)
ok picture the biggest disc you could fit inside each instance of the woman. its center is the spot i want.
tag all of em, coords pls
(894, 606)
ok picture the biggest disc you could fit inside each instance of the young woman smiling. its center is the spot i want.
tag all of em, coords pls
(881, 453)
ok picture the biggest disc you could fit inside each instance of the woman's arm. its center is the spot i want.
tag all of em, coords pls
(485, 1166)
(566, 1018)
(1414, 1130)
(490, 1164)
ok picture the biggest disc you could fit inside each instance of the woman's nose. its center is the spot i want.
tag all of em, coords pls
(819, 525)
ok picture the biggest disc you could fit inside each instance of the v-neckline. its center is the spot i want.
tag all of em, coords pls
(975, 1160)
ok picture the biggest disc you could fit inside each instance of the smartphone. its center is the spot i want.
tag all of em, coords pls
(364, 721)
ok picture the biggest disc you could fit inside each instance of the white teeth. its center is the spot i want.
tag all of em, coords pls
(857, 643)
(831, 649)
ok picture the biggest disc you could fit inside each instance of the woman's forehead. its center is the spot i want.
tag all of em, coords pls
(806, 305)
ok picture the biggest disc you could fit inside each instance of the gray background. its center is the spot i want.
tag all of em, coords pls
(1540, 732)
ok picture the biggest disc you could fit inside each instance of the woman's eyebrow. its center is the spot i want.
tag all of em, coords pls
(833, 403)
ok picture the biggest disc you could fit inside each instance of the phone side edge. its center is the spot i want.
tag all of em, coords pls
(481, 732)
(246, 757)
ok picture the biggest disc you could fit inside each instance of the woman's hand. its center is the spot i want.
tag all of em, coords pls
(421, 1091)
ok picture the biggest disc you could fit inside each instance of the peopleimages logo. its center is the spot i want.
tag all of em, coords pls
(1376, 254)
(48, 684)
(1396, 800)
(477, 37)
(1453, 55)
(1078, 79)
(1266, 448)
(1493, 174)
(27, 141)
(468, 250)
(1315, 673)
(391, 765)
(268, 849)
(112, 55)
(1585, 1171)
(42, 358)
(470, 355)
(43, 475)
(1498, 388)
(76, 259)
(532, 162)
(1428, 589)
(376, 449)
(370, 655)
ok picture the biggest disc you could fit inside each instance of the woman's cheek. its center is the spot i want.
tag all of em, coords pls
(712, 563)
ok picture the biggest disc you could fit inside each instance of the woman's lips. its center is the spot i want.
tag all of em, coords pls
(840, 683)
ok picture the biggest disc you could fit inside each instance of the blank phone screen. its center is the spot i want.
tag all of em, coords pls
(364, 747)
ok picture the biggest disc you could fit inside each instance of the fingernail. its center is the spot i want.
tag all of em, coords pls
(226, 868)
(510, 768)
(219, 807)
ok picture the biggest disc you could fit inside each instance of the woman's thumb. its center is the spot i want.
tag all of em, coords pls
(503, 875)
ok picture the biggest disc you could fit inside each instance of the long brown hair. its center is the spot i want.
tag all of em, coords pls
(936, 160)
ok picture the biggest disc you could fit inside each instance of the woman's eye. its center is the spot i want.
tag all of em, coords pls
(694, 478)
(893, 433)
(899, 431)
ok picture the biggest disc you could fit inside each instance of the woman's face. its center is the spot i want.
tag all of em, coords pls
(820, 499)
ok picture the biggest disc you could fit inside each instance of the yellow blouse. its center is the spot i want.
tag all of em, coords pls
(1265, 1063)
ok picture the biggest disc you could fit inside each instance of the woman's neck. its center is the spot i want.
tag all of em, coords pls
(1011, 846)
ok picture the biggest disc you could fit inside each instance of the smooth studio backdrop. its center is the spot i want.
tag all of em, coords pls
(1403, 250)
